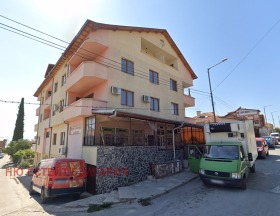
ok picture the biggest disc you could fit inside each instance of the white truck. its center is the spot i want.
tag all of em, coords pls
(230, 153)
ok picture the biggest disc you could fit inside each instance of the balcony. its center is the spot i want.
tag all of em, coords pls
(35, 127)
(85, 77)
(82, 108)
(188, 101)
(37, 111)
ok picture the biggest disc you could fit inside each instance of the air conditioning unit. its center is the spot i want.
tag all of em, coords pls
(61, 150)
(115, 90)
(146, 98)
(55, 107)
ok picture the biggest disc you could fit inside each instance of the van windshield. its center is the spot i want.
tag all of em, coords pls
(222, 152)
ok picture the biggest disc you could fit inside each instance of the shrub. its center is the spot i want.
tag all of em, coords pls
(24, 165)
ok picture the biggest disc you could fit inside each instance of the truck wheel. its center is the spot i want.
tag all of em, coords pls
(267, 153)
(253, 169)
(43, 196)
(31, 191)
(244, 183)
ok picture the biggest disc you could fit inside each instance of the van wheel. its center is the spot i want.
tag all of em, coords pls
(244, 183)
(253, 169)
(43, 196)
(31, 191)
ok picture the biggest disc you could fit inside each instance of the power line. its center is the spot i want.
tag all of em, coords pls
(250, 51)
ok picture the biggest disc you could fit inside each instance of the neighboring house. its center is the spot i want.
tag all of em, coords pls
(249, 114)
(2, 143)
(208, 117)
(114, 98)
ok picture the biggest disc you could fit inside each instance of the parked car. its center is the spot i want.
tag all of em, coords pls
(270, 141)
(59, 176)
(275, 140)
(262, 147)
(1, 155)
(275, 135)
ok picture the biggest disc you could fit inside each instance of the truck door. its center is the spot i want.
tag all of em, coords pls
(195, 153)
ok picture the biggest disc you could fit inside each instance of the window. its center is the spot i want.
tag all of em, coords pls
(54, 138)
(61, 105)
(154, 77)
(154, 104)
(127, 66)
(89, 131)
(174, 109)
(55, 87)
(127, 98)
(173, 85)
(62, 138)
(63, 79)
(47, 134)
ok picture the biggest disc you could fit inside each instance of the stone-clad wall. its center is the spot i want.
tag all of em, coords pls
(122, 166)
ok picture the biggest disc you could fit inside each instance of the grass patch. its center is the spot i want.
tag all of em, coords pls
(95, 207)
(145, 202)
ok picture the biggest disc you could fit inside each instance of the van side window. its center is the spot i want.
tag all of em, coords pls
(242, 154)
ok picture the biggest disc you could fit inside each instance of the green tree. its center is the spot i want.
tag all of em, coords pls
(19, 127)
(277, 129)
(15, 146)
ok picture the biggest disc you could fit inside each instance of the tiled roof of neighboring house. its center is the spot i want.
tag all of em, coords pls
(90, 26)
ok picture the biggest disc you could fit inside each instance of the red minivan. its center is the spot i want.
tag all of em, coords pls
(59, 176)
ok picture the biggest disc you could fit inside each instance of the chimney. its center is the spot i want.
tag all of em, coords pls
(198, 113)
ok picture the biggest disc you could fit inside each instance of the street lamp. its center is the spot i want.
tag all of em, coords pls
(265, 114)
(211, 94)
(273, 119)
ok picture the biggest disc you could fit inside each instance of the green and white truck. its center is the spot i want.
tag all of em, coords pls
(229, 155)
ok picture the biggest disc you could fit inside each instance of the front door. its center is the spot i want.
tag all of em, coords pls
(195, 153)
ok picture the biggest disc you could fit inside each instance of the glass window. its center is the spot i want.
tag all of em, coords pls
(89, 131)
(154, 104)
(54, 138)
(174, 109)
(173, 85)
(55, 87)
(154, 77)
(127, 66)
(63, 79)
(62, 138)
(127, 98)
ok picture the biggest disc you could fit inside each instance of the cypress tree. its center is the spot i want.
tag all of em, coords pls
(19, 127)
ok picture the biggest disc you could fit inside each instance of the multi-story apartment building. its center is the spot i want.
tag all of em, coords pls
(114, 98)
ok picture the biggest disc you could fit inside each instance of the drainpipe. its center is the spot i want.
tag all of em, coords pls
(51, 117)
(66, 144)
(173, 133)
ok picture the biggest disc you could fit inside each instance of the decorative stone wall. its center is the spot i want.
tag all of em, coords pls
(122, 166)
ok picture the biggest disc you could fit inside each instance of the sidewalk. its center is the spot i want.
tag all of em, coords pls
(148, 189)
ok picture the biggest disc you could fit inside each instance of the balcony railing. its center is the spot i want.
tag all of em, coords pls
(35, 127)
(86, 76)
(82, 108)
(37, 111)
(188, 101)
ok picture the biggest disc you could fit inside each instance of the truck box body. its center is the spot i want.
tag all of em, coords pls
(230, 153)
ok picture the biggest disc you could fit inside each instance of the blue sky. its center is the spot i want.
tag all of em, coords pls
(245, 32)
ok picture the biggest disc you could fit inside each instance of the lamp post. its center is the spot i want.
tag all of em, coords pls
(211, 94)
(273, 118)
(265, 114)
